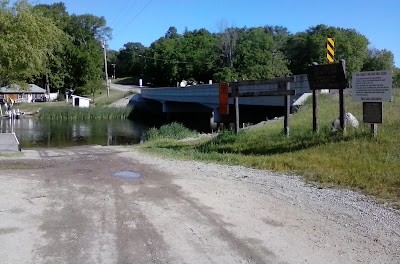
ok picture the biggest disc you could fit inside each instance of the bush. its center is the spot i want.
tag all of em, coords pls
(171, 131)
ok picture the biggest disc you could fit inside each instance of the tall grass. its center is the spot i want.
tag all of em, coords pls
(75, 113)
(355, 160)
(170, 131)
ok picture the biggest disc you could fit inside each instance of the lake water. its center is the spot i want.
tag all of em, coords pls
(33, 133)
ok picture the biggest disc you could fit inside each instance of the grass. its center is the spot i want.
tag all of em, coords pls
(74, 113)
(356, 160)
(127, 81)
(101, 100)
(35, 107)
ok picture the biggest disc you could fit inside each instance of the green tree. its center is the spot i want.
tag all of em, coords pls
(307, 47)
(199, 48)
(59, 67)
(258, 56)
(396, 78)
(379, 60)
(27, 42)
(162, 61)
(78, 62)
(130, 61)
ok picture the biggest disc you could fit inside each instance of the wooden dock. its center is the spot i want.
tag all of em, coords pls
(9, 142)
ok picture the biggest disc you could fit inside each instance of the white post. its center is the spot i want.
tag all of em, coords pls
(140, 82)
(210, 82)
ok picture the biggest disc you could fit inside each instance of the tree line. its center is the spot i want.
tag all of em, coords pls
(45, 44)
(244, 54)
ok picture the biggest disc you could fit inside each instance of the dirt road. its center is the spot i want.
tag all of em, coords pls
(65, 206)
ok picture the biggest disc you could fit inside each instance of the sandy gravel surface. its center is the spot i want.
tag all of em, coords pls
(123, 102)
(65, 206)
(124, 88)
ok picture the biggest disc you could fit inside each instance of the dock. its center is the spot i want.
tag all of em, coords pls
(9, 142)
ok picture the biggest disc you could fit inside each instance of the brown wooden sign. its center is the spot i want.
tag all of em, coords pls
(327, 76)
(223, 99)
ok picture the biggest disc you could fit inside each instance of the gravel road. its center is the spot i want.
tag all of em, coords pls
(123, 102)
(65, 206)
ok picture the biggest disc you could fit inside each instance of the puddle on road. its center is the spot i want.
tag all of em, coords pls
(127, 174)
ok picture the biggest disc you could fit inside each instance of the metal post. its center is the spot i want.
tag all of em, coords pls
(287, 111)
(342, 107)
(235, 94)
(237, 114)
(105, 67)
(374, 130)
(342, 114)
(315, 109)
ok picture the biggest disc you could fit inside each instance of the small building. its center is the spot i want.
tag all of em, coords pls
(23, 95)
(79, 101)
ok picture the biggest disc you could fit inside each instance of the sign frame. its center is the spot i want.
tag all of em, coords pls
(372, 86)
(327, 76)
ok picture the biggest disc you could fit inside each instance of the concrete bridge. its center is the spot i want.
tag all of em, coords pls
(194, 100)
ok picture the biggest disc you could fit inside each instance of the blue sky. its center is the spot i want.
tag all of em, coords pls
(147, 20)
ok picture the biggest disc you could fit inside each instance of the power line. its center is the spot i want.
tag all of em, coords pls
(135, 16)
(116, 21)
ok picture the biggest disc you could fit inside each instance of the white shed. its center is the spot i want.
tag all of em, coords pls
(80, 101)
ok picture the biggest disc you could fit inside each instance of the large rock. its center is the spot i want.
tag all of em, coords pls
(350, 120)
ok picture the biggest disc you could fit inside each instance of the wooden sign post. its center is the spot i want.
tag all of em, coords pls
(283, 90)
(328, 76)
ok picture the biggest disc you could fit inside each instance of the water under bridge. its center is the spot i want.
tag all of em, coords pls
(203, 100)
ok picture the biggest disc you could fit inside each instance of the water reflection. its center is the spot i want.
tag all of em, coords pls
(32, 132)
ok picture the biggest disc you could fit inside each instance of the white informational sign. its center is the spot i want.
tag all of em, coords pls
(372, 86)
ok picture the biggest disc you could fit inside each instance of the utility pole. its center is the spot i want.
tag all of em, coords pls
(114, 70)
(105, 66)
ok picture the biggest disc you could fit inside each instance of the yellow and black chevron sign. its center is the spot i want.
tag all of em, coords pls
(330, 53)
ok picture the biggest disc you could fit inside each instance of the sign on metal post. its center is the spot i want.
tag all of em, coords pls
(235, 89)
(372, 112)
(223, 99)
(372, 86)
(330, 50)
